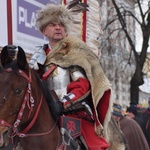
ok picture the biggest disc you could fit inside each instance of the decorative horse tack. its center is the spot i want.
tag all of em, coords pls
(25, 120)
(29, 101)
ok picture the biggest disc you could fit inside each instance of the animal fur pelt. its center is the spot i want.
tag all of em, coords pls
(71, 51)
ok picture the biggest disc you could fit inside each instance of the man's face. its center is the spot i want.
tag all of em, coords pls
(54, 31)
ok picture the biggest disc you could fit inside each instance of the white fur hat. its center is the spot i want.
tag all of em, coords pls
(53, 13)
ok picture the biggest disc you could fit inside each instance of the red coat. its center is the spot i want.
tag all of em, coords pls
(80, 88)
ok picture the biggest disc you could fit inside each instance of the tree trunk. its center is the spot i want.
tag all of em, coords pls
(136, 81)
(134, 91)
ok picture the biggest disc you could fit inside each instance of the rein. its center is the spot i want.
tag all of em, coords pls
(28, 101)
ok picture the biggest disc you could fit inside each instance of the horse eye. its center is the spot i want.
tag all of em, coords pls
(18, 91)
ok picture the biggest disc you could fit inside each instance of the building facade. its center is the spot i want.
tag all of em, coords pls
(115, 51)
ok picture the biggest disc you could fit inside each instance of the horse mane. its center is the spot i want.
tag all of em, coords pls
(50, 101)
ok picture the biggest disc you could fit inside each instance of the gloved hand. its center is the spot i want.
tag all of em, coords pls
(67, 100)
(38, 57)
(11, 50)
(59, 108)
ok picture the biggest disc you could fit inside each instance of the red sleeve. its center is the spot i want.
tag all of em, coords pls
(78, 88)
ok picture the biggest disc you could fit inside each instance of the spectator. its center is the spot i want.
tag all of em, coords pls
(130, 129)
(146, 123)
(132, 112)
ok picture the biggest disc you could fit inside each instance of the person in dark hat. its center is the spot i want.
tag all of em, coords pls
(131, 130)
(132, 112)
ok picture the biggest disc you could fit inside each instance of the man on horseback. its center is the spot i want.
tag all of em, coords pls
(73, 71)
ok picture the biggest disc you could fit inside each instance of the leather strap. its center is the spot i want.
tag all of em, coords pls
(47, 73)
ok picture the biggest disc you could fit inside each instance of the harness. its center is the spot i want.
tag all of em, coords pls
(27, 102)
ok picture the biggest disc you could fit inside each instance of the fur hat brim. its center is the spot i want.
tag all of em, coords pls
(53, 13)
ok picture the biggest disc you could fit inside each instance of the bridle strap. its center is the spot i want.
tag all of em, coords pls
(20, 134)
(23, 74)
(34, 118)
(27, 98)
(28, 95)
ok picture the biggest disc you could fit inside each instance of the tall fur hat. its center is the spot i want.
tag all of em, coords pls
(53, 13)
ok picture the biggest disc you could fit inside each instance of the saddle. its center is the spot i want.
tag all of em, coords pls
(77, 128)
(71, 125)
(70, 122)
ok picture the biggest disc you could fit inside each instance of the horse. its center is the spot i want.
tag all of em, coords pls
(24, 111)
(25, 114)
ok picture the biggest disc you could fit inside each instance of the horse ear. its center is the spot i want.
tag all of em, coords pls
(21, 59)
(5, 58)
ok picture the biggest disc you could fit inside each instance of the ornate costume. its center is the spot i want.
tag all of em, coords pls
(66, 54)
(74, 71)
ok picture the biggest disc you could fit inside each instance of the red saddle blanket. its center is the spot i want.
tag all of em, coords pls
(78, 127)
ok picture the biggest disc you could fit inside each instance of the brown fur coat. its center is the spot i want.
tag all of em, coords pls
(71, 51)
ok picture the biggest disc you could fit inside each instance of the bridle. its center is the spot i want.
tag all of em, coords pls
(27, 102)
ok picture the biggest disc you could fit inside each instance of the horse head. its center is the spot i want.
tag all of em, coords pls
(24, 110)
(11, 91)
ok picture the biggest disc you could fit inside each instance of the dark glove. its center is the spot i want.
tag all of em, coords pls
(11, 50)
